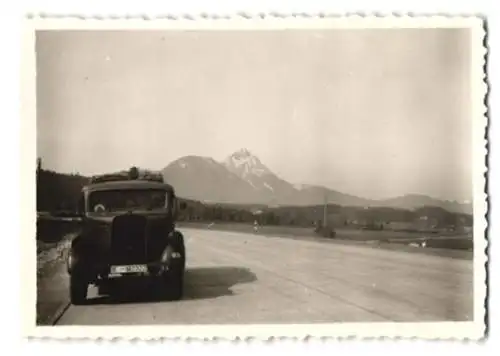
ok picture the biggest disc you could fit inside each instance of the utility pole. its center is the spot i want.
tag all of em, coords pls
(325, 210)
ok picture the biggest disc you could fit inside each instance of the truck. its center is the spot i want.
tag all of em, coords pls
(127, 233)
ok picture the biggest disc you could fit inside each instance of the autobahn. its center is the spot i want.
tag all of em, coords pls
(239, 278)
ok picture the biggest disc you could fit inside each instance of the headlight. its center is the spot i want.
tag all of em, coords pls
(169, 254)
(165, 257)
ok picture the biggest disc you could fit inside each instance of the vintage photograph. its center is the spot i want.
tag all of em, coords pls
(309, 173)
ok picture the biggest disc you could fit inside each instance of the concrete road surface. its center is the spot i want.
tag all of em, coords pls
(243, 278)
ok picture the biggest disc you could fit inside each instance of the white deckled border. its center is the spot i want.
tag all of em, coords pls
(472, 330)
(248, 22)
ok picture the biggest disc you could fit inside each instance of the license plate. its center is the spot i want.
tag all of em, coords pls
(129, 269)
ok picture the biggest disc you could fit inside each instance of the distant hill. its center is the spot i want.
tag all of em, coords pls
(412, 201)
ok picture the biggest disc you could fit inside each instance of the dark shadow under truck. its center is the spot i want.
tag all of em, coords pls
(127, 233)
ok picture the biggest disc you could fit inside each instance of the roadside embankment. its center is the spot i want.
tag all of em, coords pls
(53, 241)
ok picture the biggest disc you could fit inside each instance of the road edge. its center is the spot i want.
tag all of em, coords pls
(59, 313)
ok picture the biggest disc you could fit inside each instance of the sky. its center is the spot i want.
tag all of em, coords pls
(374, 113)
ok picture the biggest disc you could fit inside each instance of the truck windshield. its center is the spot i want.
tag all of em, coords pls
(129, 199)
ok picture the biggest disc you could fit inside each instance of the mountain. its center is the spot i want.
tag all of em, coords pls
(204, 179)
(242, 178)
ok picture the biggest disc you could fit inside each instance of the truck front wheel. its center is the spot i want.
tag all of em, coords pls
(175, 284)
(78, 290)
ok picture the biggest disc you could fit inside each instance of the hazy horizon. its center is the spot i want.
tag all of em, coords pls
(373, 113)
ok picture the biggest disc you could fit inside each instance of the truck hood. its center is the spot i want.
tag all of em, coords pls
(105, 237)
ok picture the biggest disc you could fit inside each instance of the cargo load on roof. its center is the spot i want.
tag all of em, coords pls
(133, 173)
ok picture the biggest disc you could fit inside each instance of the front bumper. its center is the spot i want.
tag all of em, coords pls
(94, 272)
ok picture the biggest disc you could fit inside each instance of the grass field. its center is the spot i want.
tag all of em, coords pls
(457, 246)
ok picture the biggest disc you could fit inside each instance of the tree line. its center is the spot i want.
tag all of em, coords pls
(337, 216)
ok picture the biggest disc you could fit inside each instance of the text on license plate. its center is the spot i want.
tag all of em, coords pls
(129, 269)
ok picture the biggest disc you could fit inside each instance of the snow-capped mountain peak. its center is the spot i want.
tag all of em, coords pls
(244, 164)
(243, 152)
(258, 177)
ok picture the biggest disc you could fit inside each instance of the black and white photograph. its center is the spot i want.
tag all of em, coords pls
(319, 174)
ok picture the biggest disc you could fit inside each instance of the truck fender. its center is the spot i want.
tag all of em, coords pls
(71, 260)
(176, 240)
(73, 253)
